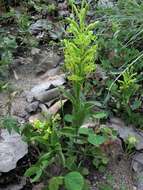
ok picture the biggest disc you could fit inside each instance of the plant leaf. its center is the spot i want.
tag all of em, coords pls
(100, 115)
(74, 181)
(83, 131)
(55, 183)
(68, 118)
(34, 171)
(96, 139)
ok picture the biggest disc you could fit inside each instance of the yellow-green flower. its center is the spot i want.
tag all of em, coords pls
(132, 140)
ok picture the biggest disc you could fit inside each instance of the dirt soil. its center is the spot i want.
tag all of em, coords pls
(117, 175)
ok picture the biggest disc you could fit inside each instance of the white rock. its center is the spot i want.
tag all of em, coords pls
(127, 131)
(48, 95)
(137, 162)
(40, 25)
(56, 81)
(56, 107)
(51, 73)
(35, 51)
(105, 3)
(12, 149)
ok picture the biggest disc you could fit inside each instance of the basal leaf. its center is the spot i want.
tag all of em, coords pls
(68, 118)
(55, 183)
(34, 173)
(74, 181)
(96, 139)
(83, 131)
(100, 115)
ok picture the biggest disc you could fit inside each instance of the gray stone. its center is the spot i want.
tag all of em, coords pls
(106, 3)
(39, 186)
(127, 131)
(39, 25)
(29, 97)
(18, 186)
(45, 88)
(56, 106)
(45, 60)
(12, 149)
(139, 181)
(45, 85)
(35, 117)
(137, 162)
(44, 108)
(18, 107)
(51, 73)
(50, 103)
(47, 95)
(35, 51)
(32, 107)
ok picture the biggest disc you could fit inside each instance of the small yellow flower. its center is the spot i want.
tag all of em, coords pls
(132, 140)
(36, 124)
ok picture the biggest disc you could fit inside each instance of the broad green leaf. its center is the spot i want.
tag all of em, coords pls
(34, 172)
(55, 183)
(44, 164)
(83, 131)
(74, 181)
(46, 156)
(106, 130)
(96, 139)
(68, 131)
(100, 115)
(68, 118)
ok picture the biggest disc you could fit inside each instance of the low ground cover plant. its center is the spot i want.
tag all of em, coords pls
(8, 46)
(120, 55)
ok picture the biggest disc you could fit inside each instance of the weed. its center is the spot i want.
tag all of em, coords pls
(128, 86)
(110, 183)
(130, 144)
(10, 124)
(7, 46)
(42, 6)
(3, 86)
(80, 54)
(25, 36)
(23, 22)
(8, 16)
(121, 55)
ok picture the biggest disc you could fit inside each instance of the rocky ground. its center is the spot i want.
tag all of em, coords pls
(33, 89)
(36, 91)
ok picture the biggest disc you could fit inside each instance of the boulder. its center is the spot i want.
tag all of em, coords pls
(125, 131)
(12, 149)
